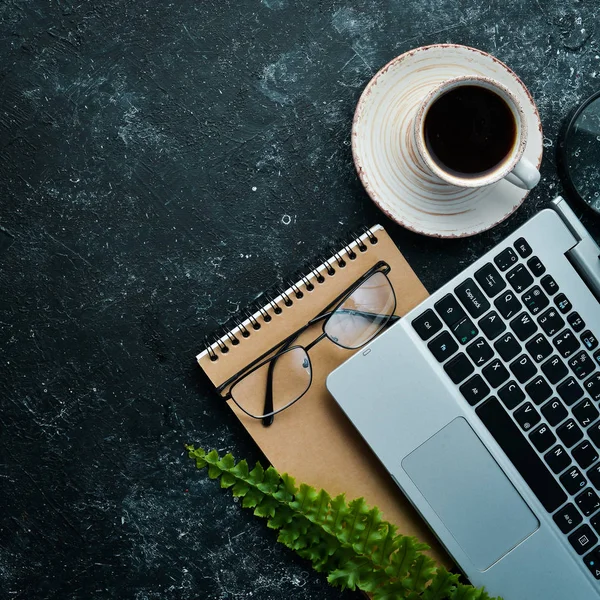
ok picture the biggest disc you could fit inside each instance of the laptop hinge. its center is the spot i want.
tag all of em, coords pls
(585, 254)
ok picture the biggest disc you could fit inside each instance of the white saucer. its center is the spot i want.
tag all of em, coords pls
(383, 125)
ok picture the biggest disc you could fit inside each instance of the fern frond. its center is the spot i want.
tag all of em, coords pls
(349, 541)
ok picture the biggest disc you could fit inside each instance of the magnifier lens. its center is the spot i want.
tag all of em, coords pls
(582, 152)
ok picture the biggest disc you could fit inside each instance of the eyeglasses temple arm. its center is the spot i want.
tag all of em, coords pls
(266, 421)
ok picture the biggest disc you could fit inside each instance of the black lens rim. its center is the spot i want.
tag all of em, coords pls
(563, 161)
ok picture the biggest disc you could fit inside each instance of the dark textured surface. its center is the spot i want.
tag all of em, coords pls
(160, 164)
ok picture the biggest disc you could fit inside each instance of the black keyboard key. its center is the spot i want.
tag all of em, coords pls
(573, 480)
(576, 322)
(594, 477)
(480, 352)
(474, 390)
(523, 248)
(506, 259)
(538, 390)
(443, 346)
(542, 438)
(592, 386)
(567, 518)
(585, 412)
(569, 433)
(554, 369)
(508, 304)
(507, 347)
(594, 433)
(524, 326)
(472, 298)
(570, 391)
(566, 343)
(558, 459)
(563, 303)
(583, 539)
(492, 325)
(511, 394)
(427, 324)
(450, 310)
(495, 373)
(523, 369)
(585, 454)
(592, 561)
(589, 340)
(459, 368)
(536, 266)
(551, 322)
(587, 502)
(519, 278)
(539, 348)
(464, 330)
(549, 285)
(581, 365)
(554, 411)
(521, 454)
(490, 280)
(597, 357)
(535, 300)
(527, 417)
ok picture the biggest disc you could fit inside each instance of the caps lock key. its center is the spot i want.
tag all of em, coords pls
(472, 298)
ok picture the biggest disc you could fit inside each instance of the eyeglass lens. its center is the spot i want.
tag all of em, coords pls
(363, 314)
(290, 374)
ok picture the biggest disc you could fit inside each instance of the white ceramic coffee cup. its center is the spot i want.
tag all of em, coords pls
(514, 167)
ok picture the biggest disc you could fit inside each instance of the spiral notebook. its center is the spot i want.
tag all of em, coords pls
(312, 440)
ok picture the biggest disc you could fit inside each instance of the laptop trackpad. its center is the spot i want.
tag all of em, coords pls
(470, 493)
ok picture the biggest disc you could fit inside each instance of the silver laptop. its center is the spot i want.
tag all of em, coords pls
(483, 403)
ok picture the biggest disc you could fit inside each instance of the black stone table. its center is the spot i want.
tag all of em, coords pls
(160, 165)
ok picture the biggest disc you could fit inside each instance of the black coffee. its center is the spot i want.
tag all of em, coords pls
(469, 130)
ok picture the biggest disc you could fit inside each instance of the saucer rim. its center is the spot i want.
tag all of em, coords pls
(362, 173)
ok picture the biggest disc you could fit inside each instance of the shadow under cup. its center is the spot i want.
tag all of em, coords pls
(471, 131)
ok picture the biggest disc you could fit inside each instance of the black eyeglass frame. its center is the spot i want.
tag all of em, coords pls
(286, 345)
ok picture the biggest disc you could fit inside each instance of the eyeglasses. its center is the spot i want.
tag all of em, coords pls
(350, 321)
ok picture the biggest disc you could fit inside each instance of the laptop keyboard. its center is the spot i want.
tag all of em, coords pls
(524, 359)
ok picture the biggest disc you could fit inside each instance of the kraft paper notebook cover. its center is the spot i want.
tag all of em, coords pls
(312, 440)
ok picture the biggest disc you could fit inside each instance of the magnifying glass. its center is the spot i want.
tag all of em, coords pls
(579, 153)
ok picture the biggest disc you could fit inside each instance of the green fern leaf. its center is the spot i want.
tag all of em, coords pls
(256, 476)
(387, 545)
(403, 557)
(347, 576)
(304, 500)
(226, 463)
(349, 542)
(372, 581)
(197, 455)
(252, 498)
(441, 585)
(240, 488)
(371, 534)
(241, 470)
(355, 521)
(271, 481)
(464, 592)
(267, 507)
(283, 515)
(393, 590)
(420, 573)
(338, 509)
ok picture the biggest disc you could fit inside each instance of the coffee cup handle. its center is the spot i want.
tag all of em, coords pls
(524, 175)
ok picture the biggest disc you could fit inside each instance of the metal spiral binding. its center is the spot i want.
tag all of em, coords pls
(270, 300)
(297, 291)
